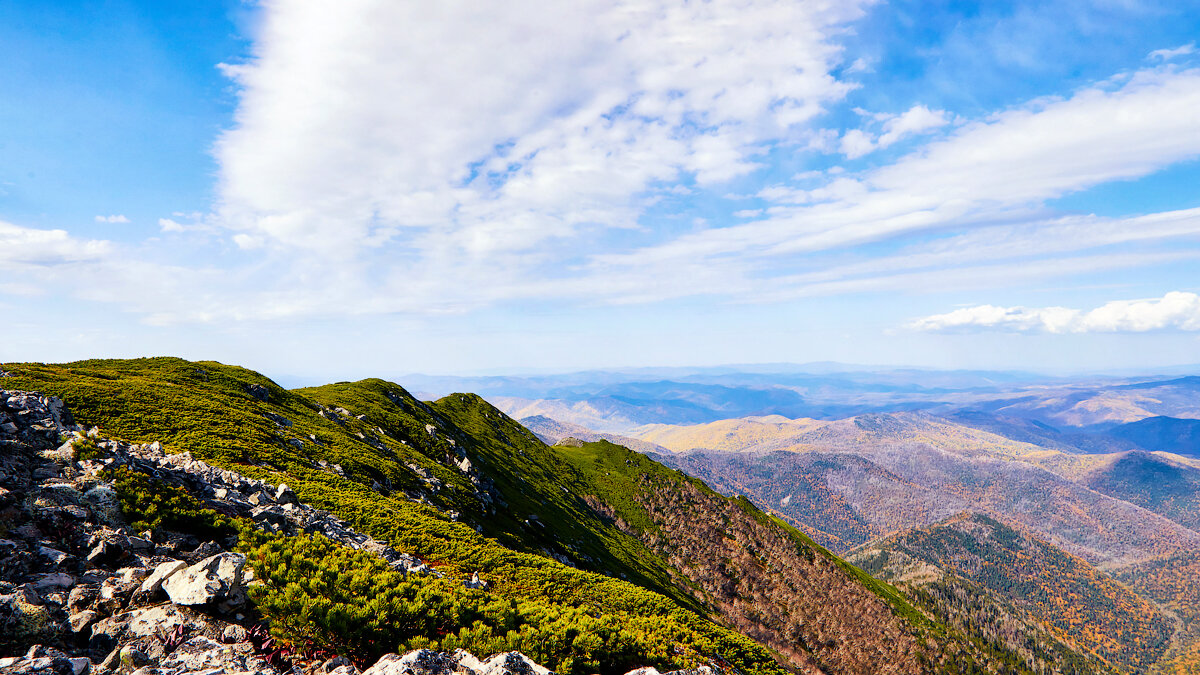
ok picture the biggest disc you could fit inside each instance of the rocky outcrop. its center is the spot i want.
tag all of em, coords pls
(81, 593)
(216, 578)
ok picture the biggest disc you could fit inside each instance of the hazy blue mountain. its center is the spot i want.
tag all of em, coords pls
(1168, 434)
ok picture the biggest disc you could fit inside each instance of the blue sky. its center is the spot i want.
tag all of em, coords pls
(372, 188)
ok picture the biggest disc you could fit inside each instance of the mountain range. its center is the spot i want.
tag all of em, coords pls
(1098, 480)
(715, 545)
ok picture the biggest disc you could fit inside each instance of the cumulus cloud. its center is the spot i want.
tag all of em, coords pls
(856, 143)
(468, 131)
(892, 128)
(1177, 310)
(23, 246)
(915, 120)
(169, 225)
(112, 219)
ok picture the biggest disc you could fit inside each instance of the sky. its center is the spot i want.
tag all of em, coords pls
(370, 188)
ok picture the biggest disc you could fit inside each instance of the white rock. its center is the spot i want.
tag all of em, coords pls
(129, 575)
(467, 661)
(203, 655)
(160, 575)
(214, 578)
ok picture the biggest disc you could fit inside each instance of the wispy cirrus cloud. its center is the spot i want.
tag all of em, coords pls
(1169, 54)
(984, 184)
(1177, 310)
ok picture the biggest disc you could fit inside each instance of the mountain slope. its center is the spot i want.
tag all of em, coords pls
(1078, 603)
(408, 489)
(1169, 434)
(806, 489)
(770, 581)
(910, 470)
(463, 486)
(1153, 481)
(1171, 582)
(552, 431)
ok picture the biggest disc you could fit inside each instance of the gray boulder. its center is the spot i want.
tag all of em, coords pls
(419, 662)
(511, 663)
(217, 577)
(204, 655)
(81, 621)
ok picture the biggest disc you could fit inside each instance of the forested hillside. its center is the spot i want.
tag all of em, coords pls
(595, 559)
(1077, 603)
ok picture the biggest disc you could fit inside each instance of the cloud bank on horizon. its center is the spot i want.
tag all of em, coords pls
(1175, 310)
(389, 159)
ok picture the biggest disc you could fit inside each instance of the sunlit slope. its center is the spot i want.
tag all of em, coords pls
(1172, 583)
(450, 468)
(559, 530)
(770, 581)
(1079, 604)
(863, 477)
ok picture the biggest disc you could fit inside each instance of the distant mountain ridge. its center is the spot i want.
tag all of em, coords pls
(1181, 436)
(552, 431)
(588, 559)
(889, 472)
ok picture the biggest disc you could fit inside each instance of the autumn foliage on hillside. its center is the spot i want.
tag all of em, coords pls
(1077, 602)
(767, 580)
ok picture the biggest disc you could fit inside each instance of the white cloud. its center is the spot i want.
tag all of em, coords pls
(112, 219)
(856, 143)
(1169, 54)
(1177, 310)
(466, 131)
(169, 225)
(395, 158)
(995, 171)
(23, 246)
(860, 65)
(916, 120)
(1054, 147)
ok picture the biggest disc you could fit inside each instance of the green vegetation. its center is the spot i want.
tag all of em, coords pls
(392, 451)
(85, 448)
(615, 474)
(149, 504)
(598, 558)
(323, 595)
